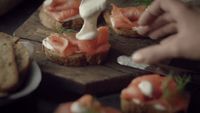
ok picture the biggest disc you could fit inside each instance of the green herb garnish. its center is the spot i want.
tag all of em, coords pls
(64, 30)
(182, 81)
(165, 85)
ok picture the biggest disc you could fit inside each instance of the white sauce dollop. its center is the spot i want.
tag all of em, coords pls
(159, 107)
(46, 44)
(146, 88)
(112, 22)
(77, 108)
(136, 101)
(47, 2)
(90, 10)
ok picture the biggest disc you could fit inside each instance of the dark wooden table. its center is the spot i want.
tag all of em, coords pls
(49, 95)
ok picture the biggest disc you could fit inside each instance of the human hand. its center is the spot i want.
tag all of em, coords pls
(178, 23)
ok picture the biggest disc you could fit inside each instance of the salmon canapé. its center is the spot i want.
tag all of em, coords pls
(85, 104)
(62, 10)
(158, 92)
(67, 44)
(125, 18)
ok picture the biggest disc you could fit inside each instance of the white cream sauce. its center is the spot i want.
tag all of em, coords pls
(159, 107)
(136, 101)
(77, 108)
(146, 88)
(47, 2)
(112, 22)
(46, 43)
(90, 10)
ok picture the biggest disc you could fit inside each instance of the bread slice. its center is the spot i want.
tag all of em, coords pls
(51, 23)
(79, 59)
(21, 63)
(124, 32)
(9, 74)
(22, 58)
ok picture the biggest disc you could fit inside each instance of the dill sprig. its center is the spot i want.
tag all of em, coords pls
(182, 81)
(165, 84)
(64, 30)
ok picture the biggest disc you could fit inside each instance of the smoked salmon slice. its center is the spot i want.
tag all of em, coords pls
(63, 15)
(62, 10)
(67, 44)
(91, 47)
(164, 91)
(62, 45)
(126, 17)
(59, 5)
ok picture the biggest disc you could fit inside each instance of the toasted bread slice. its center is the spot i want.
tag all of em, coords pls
(124, 32)
(22, 58)
(23, 63)
(19, 67)
(9, 74)
(79, 59)
(49, 22)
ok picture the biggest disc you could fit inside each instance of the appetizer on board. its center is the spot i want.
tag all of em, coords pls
(65, 49)
(86, 104)
(89, 46)
(55, 14)
(155, 94)
(123, 21)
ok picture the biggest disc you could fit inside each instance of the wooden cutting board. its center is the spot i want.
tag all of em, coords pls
(106, 78)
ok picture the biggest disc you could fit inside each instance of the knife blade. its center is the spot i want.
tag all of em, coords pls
(158, 68)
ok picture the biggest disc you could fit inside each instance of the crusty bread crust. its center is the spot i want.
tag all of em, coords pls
(8, 68)
(49, 22)
(79, 59)
(124, 32)
(22, 58)
(21, 62)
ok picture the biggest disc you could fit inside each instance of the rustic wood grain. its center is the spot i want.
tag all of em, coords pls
(104, 78)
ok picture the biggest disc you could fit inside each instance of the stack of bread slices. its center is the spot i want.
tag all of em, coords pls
(14, 64)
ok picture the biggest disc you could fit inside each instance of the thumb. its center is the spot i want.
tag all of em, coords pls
(155, 53)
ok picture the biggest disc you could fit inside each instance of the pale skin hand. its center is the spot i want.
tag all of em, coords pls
(177, 23)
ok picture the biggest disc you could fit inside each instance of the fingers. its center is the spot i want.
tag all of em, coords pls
(168, 40)
(151, 13)
(156, 53)
(175, 8)
(142, 30)
(159, 22)
(163, 31)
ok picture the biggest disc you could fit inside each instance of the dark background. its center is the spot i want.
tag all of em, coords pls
(50, 93)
